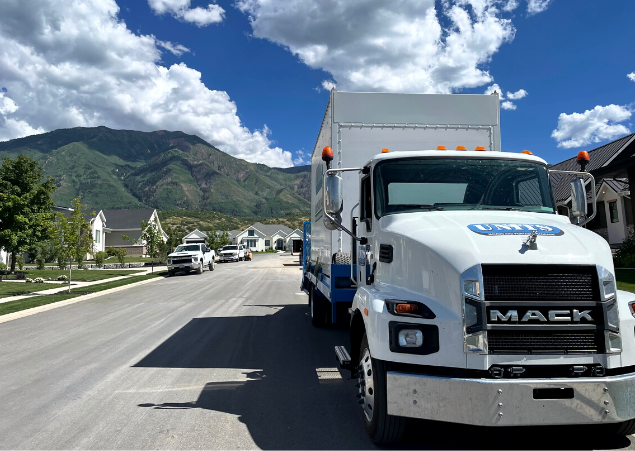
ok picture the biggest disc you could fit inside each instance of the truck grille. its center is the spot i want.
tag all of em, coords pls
(540, 282)
(552, 342)
(181, 260)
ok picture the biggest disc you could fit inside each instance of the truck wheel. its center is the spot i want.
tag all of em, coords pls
(200, 268)
(625, 428)
(316, 307)
(381, 427)
(171, 273)
(212, 266)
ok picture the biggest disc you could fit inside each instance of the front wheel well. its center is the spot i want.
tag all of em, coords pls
(357, 333)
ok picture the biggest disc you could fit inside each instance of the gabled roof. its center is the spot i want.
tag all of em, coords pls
(600, 157)
(271, 229)
(196, 233)
(127, 219)
(294, 231)
(233, 233)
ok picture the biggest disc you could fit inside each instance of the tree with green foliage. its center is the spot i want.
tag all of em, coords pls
(100, 257)
(216, 239)
(25, 205)
(121, 253)
(174, 238)
(152, 237)
(74, 237)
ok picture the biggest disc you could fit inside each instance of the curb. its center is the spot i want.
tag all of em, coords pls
(43, 308)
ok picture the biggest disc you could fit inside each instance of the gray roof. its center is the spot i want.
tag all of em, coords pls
(233, 233)
(127, 219)
(599, 157)
(271, 229)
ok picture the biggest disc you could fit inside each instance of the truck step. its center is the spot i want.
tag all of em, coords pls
(343, 357)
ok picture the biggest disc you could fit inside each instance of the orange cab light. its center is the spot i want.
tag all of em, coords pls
(366, 311)
(406, 308)
(527, 152)
(480, 148)
(460, 148)
(583, 155)
(385, 150)
(327, 154)
(441, 148)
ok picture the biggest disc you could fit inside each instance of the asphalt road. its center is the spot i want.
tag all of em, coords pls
(227, 359)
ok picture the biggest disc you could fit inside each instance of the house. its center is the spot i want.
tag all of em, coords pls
(293, 241)
(127, 223)
(259, 237)
(195, 237)
(612, 165)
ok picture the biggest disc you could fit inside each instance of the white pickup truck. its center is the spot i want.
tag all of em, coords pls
(232, 253)
(191, 257)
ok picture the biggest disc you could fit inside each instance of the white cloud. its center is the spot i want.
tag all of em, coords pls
(536, 6)
(517, 95)
(181, 10)
(511, 5)
(302, 158)
(176, 49)
(631, 76)
(495, 87)
(399, 46)
(68, 64)
(507, 105)
(327, 85)
(592, 126)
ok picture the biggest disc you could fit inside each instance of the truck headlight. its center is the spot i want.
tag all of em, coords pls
(410, 338)
(474, 337)
(607, 283)
(194, 259)
(169, 260)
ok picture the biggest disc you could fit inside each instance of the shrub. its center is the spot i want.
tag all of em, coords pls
(62, 277)
(3, 267)
(121, 256)
(625, 255)
(27, 280)
(111, 251)
(61, 263)
(19, 260)
(38, 280)
(39, 261)
(99, 258)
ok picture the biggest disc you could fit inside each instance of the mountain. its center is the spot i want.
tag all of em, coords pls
(164, 170)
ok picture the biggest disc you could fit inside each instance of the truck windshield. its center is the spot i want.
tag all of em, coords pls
(188, 248)
(230, 248)
(461, 184)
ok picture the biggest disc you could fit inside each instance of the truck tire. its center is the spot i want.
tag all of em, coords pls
(212, 265)
(316, 308)
(200, 268)
(381, 427)
(625, 428)
(342, 258)
(171, 273)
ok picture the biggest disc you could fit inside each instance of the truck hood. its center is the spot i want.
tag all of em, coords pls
(466, 238)
(229, 252)
(183, 254)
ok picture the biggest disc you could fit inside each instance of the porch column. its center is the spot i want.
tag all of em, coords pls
(631, 183)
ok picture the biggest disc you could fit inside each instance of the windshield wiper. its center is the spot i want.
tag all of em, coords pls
(501, 208)
(427, 206)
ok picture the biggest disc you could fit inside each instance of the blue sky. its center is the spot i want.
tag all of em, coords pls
(265, 63)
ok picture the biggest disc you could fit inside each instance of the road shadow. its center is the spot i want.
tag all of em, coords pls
(290, 398)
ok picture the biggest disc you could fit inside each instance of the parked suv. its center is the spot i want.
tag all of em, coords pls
(232, 253)
(191, 257)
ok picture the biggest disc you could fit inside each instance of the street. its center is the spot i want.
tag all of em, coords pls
(227, 359)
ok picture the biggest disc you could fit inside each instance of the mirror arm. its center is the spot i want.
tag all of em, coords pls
(338, 225)
(593, 196)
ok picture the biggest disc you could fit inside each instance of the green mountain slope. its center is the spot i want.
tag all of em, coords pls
(165, 170)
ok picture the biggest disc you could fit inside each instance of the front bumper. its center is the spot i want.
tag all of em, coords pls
(510, 402)
(224, 258)
(183, 266)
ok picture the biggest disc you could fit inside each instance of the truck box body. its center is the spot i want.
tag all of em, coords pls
(359, 125)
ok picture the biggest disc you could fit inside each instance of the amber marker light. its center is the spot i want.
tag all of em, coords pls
(527, 152)
(441, 148)
(366, 311)
(384, 150)
(406, 308)
(460, 148)
(480, 148)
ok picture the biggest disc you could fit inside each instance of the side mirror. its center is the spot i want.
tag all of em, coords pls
(334, 201)
(578, 199)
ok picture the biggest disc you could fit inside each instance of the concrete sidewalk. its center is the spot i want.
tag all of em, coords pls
(79, 284)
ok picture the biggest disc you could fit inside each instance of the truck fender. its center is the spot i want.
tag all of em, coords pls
(627, 326)
(357, 330)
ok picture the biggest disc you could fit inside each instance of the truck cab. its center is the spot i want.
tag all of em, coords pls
(191, 257)
(232, 253)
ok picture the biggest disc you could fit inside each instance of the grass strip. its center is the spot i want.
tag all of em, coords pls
(15, 289)
(82, 275)
(36, 301)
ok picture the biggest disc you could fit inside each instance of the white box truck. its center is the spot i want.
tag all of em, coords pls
(470, 299)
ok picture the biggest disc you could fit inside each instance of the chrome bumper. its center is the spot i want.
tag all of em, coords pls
(184, 266)
(510, 402)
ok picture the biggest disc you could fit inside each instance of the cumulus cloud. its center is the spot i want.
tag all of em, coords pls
(511, 5)
(399, 46)
(536, 6)
(176, 49)
(495, 87)
(181, 10)
(507, 105)
(517, 95)
(592, 126)
(631, 76)
(302, 158)
(68, 64)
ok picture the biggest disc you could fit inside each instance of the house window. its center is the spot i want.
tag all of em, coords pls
(97, 236)
(250, 232)
(267, 243)
(613, 211)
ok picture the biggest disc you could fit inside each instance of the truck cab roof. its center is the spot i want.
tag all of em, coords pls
(455, 154)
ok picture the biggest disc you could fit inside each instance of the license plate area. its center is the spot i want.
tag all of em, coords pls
(553, 393)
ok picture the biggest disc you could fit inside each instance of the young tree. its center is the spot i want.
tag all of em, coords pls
(216, 239)
(74, 237)
(25, 205)
(153, 238)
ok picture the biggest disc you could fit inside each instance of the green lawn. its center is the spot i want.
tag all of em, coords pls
(112, 260)
(625, 279)
(16, 289)
(83, 275)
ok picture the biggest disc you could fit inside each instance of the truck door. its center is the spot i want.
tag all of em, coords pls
(364, 256)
